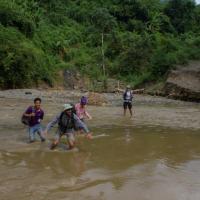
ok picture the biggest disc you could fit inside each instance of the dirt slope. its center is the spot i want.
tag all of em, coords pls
(184, 82)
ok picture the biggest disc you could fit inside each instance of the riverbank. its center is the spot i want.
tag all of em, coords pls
(148, 110)
(63, 96)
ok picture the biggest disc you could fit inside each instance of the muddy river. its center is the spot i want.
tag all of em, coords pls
(154, 155)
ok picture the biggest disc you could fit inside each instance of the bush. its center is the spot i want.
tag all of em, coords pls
(13, 17)
(21, 63)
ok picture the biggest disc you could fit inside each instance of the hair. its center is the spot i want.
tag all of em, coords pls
(37, 99)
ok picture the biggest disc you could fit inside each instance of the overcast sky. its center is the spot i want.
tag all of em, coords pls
(198, 1)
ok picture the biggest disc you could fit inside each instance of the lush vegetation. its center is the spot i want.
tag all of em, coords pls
(134, 40)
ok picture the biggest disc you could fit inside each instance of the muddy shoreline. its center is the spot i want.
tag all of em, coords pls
(148, 110)
(62, 96)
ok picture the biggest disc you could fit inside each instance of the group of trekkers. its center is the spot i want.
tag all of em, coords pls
(70, 120)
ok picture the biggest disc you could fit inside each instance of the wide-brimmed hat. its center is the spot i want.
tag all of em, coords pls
(67, 106)
(128, 86)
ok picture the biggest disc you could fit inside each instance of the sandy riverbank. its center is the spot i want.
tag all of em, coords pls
(148, 110)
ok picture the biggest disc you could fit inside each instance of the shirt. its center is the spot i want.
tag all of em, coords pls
(80, 111)
(39, 114)
(128, 96)
(78, 123)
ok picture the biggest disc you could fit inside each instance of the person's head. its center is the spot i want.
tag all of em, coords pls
(83, 101)
(67, 108)
(37, 103)
(128, 87)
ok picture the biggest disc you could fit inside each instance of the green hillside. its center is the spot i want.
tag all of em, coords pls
(133, 40)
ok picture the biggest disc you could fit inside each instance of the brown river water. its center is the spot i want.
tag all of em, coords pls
(153, 156)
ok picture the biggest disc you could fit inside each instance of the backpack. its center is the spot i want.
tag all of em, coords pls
(65, 122)
(26, 120)
(73, 108)
(125, 96)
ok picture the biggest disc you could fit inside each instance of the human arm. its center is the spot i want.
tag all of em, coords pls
(51, 124)
(83, 126)
(29, 112)
(132, 95)
(88, 115)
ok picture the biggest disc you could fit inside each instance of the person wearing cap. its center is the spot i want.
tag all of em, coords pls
(67, 123)
(81, 109)
(127, 98)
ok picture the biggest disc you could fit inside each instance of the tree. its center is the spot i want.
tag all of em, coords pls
(181, 14)
(104, 22)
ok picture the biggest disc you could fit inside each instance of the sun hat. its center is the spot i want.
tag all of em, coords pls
(83, 100)
(67, 106)
(128, 86)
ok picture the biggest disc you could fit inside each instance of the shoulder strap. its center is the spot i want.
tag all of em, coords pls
(72, 117)
(62, 113)
(125, 94)
(33, 109)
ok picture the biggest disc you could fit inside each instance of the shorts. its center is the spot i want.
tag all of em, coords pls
(127, 104)
(70, 134)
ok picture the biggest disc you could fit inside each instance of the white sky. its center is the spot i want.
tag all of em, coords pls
(198, 1)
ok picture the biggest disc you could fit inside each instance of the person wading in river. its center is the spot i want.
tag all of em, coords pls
(127, 97)
(32, 117)
(81, 109)
(67, 123)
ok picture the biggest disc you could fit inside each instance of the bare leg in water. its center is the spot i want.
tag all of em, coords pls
(71, 140)
(131, 113)
(54, 144)
(125, 112)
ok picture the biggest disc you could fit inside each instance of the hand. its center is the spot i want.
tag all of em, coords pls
(89, 136)
(32, 115)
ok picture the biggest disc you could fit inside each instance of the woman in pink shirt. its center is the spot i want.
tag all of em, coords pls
(81, 109)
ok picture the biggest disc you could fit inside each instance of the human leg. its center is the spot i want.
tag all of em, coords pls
(130, 108)
(40, 132)
(80, 130)
(31, 132)
(56, 140)
(71, 139)
(125, 107)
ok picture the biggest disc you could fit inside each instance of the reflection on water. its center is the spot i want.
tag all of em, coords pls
(126, 162)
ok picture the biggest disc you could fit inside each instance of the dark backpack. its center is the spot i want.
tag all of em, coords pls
(125, 96)
(26, 120)
(73, 108)
(66, 122)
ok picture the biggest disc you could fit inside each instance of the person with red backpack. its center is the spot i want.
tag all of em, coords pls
(32, 118)
(67, 122)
